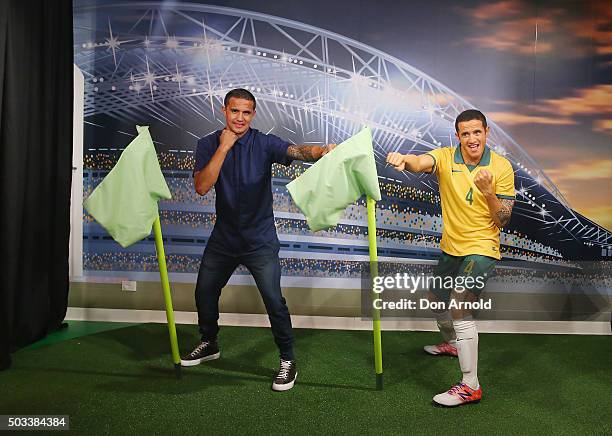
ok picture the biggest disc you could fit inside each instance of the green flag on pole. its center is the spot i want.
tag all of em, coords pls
(336, 180)
(125, 204)
(323, 192)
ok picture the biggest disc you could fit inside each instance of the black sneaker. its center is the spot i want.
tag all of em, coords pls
(286, 376)
(206, 350)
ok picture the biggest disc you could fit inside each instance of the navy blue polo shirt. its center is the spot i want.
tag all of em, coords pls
(245, 219)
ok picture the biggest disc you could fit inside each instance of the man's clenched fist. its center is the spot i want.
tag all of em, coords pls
(228, 139)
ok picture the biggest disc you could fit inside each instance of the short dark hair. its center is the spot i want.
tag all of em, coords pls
(469, 115)
(239, 93)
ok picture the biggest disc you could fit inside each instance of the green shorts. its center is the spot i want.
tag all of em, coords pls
(463, 273)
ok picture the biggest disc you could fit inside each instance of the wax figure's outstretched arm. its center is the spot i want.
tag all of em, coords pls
(422, 163)
(500, 208)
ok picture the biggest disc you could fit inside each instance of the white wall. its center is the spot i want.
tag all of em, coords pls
(75, 257)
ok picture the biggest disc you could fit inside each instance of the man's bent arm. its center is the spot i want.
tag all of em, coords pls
(207, 177)
(308, 153)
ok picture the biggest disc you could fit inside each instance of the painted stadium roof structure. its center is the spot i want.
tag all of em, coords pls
(174, 62)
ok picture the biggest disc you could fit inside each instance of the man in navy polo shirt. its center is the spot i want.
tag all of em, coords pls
(237, 161)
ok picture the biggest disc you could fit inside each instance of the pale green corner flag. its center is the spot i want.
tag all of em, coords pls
(125, 202)
(337, 180)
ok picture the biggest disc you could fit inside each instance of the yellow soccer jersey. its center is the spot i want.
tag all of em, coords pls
(468, 226)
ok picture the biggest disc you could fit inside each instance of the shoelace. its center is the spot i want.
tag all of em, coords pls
(445, 346)
(455, 389)
(285, 367)
(199, 348)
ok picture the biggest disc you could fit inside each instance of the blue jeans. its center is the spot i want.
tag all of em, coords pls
(264, 265)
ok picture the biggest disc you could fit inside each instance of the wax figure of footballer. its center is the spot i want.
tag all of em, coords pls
(237, 161)
(477, 193)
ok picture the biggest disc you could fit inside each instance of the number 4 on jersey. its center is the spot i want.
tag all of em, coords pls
(469, 197)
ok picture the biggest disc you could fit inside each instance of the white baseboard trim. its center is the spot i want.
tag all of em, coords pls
(339, 323)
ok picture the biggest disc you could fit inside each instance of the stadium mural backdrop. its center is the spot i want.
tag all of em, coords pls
(320, 70)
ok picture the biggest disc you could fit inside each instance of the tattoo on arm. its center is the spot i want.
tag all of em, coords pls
(503, 214)
(306, 153)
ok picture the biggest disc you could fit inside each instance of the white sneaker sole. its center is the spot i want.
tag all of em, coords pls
(450, 406)
(285, 386)
(198, 361)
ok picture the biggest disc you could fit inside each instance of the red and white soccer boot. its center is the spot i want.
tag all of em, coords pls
(441, 349)
(458, 395)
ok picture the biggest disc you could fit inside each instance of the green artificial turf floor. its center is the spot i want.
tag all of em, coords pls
(121, 381)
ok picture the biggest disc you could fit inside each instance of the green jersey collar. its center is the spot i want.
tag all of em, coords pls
(484, 160)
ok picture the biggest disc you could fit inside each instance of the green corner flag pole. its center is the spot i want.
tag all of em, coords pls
(128, 214)
(374, 273)
(335, 181)
(163, 273)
